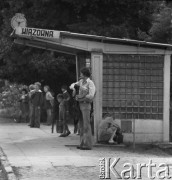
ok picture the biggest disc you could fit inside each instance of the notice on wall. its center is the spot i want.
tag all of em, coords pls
(44, 33)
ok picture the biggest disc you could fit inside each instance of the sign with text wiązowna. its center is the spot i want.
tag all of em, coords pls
(44, 33)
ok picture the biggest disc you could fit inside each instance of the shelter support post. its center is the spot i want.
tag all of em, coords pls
(166, 110)
(97, 76)
(77, 70)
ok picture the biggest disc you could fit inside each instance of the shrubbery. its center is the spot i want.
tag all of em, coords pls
(9, 100)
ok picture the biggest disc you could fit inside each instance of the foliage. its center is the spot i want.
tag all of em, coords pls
(113, 18)
(38, 65)
(9, 100)
(9, 96)
(161, 30)
(116, 18)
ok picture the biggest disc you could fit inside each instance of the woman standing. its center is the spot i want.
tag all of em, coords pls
(37, 100)
(24, 105)
(31, 91)
(48, 104)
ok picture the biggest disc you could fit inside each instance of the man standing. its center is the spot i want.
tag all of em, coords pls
(86, 85)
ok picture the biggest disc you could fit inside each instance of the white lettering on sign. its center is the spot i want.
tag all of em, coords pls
(25, 31)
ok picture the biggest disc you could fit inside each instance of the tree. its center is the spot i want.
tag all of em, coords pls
(122, 19)
(112, 17)
(161, 30)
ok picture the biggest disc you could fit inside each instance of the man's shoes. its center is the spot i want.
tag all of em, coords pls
(62, 135)
(85, 148)
(78, 147)
(67, 134)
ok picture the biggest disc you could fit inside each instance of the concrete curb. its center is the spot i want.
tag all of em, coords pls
(6, 166)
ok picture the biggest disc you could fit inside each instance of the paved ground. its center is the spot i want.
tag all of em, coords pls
(37, 154)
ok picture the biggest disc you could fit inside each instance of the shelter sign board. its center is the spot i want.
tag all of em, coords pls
(43, 33)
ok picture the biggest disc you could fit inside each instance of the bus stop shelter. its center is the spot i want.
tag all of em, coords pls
(132, 78)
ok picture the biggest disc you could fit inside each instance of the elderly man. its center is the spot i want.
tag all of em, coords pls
(86, 94)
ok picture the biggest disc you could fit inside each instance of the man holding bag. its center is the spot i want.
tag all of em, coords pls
(86, 94)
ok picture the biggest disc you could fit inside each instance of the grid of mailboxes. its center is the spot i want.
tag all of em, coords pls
(133, 86)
